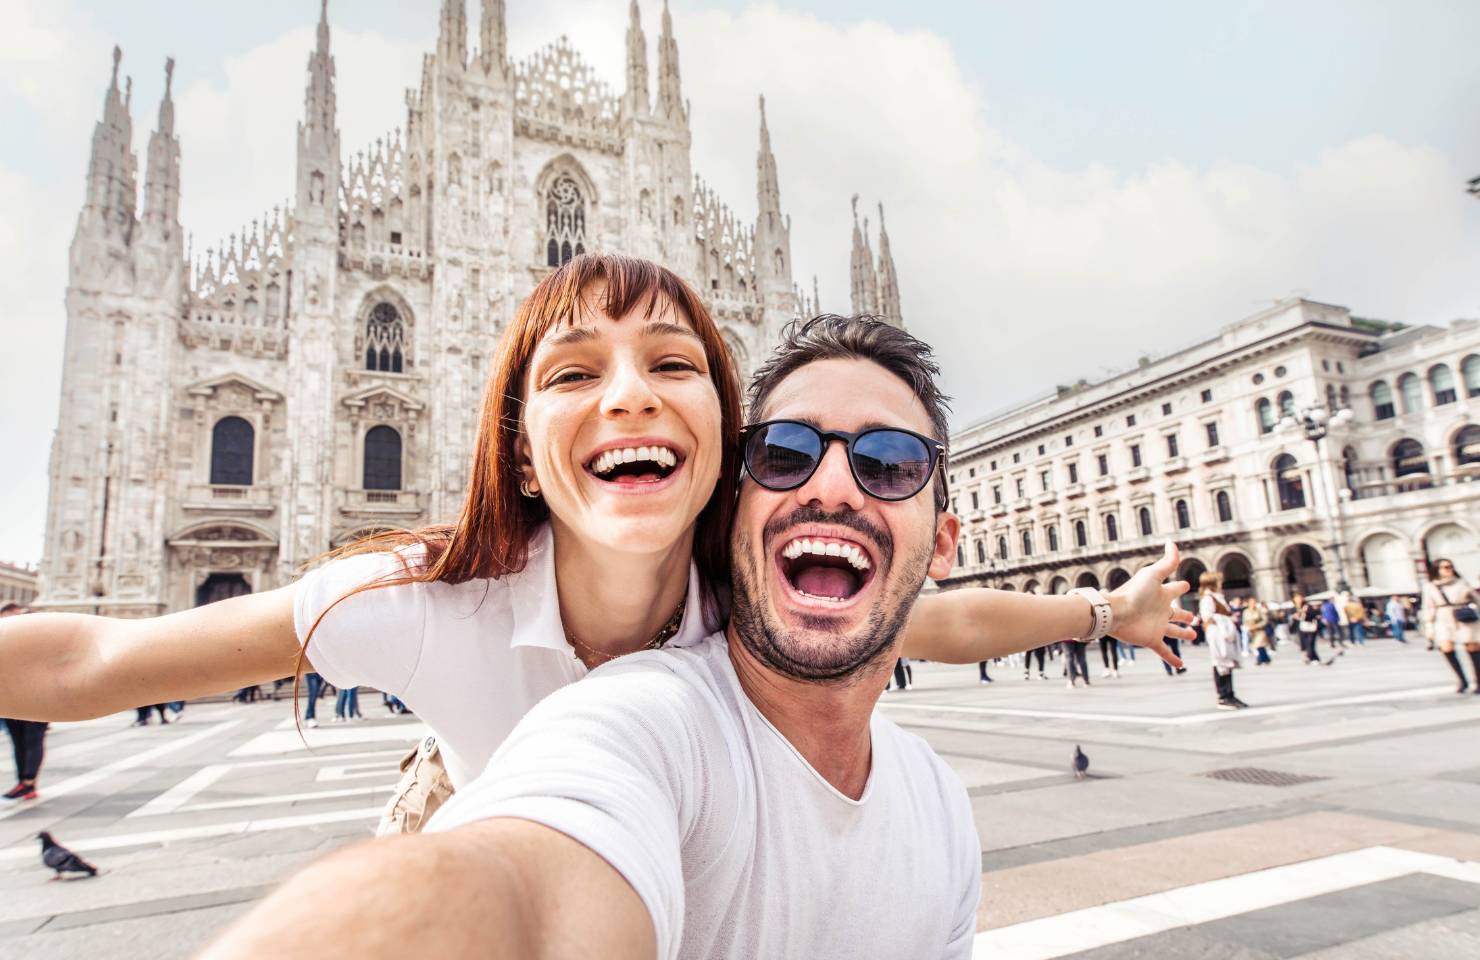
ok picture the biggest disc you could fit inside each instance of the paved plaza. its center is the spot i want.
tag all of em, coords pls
(1345, 821)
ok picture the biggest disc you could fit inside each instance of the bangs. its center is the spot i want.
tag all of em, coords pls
(629, 285)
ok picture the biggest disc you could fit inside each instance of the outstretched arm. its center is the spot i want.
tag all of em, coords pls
(65, 666)
(965, 626)
(495, 888)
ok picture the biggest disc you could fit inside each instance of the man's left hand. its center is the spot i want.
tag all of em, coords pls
(1144, 610)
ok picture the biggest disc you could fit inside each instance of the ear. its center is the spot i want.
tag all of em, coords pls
(523, 462)
(947, 531)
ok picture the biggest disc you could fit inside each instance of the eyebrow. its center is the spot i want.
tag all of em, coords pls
(667, 328)
(571, 335)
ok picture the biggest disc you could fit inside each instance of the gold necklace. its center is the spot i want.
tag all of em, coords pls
(665, 633)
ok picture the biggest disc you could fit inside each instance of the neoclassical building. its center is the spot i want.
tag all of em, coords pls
(1082, 487)
(228, 417)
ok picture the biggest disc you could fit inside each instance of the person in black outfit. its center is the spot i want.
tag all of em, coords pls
(1075, 661)
(142, 715)
(1110, 655)
(982, 669)
(28, 737)
(1028, 660)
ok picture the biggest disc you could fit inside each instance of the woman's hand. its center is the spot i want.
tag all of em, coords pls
(1144, 610)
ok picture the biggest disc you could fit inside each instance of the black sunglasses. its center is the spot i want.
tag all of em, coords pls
(887, 463)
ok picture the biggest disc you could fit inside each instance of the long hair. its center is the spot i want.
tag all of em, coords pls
(491, 536)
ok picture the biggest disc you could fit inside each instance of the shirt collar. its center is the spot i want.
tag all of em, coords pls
(535, 601)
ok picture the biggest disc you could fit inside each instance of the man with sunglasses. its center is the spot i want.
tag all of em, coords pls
(740, 798)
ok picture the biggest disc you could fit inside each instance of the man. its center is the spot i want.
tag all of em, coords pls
(1397, 616)
(726, 799)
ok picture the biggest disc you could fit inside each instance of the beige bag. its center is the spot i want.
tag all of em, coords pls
(423, 788)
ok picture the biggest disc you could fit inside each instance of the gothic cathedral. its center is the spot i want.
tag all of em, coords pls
(227, 418)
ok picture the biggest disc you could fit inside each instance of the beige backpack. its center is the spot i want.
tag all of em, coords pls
(423, 788)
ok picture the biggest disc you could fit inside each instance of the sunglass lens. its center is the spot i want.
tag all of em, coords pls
(890, 464)
(783, 455)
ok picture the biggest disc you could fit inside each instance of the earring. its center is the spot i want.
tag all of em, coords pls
(524, 488)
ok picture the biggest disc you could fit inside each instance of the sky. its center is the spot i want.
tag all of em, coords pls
(1068, 185)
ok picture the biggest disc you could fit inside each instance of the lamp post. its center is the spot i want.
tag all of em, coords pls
(1315, 421)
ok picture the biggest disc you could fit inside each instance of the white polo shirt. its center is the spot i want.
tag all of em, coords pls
(469, 659)
(661, 765)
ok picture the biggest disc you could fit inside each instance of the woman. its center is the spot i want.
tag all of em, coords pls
(1450, 619)
(596, 523)
(1307, 617)
(1223, 639)
(1256, 622)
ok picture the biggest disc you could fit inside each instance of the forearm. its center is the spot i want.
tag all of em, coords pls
(500, 888)
(971, 624)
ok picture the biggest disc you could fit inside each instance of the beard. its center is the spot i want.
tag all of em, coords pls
(818, 650)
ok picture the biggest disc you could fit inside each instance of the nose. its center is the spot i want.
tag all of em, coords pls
(629, 392)
(831, 487)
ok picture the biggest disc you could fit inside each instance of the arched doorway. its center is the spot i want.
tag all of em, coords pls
(1303, 569)
(1116, 578)
(1059, 585)
(1386, 564)
(1190, 570)
(221, 586)
(1087, 579)
(1030, 587)
(1456, 544)
(1238, 575)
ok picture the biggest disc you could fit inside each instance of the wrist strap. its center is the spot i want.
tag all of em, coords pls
(1099, 606)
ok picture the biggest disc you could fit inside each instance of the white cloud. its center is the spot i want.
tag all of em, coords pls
(1021, 274)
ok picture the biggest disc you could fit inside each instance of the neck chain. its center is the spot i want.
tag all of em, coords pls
(665, 633)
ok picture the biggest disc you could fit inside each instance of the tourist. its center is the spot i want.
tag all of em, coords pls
(1356, 619)
(1223, 643)
(1451, 619)
(1256, 620)
(1110, 656)
(27, 741)
(1397, 616)
(1040, 652)
(315, 684)
(1076, 664)
(562, 558)
(1332, 619)
(347, 704)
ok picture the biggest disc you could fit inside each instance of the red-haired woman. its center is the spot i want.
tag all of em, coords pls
(596, 523)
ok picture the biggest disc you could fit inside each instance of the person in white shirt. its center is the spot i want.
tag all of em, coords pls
(1223, 641)
(738, 797)
(596, 523)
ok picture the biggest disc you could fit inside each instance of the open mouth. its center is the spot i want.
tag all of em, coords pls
(827, 569)
(631, 466)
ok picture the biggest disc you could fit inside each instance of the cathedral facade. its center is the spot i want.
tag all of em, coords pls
(227, 418)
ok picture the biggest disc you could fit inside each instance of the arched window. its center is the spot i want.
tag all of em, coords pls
(1027, 543)
(1469, 370)
(1382, 401)
(1053, 539)
(1224, 503)
(981, 551)
(1287, 403)
(1081, 535)
(1184, 515)
(1411, 392)
(382, 459)
(1143, 517)
(1441, 381)
(1408, 458)
(1112, 528)
(1001, 548)
(1265, 409)
(565, 221)
(960, 555)
(1467, 446)
(1288, 481)
(232, 442)
(385, 339)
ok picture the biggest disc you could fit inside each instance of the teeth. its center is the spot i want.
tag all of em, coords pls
(856, 557)
(606, 461)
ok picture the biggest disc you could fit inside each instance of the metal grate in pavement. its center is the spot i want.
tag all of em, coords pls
(1261, 777)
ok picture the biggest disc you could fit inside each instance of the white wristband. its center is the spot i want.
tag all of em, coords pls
(1099, 611)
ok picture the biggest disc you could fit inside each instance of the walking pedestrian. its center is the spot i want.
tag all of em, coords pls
(1331, 622)
(347, 706)
(315, 689)
(1041, 653)
(1110, 656)
(1397, 615)
(1307, 618)
(142, 714)
(1450, 614)
(1356, 620)
(1076, 664)
(1256, 620)
(28, 741)
(1223, 639)
(982, 670)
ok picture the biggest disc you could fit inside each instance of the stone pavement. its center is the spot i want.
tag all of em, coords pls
(1359, 835)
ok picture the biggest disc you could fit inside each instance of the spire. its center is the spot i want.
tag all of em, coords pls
(888, 279)
(319, 107)
(772, 230)
(637, 70)
(452, 33)
(112, 170)
(767, 187)
(162, 181)
(318, 137)
(863, 281)
(493, 39)
(670, 93)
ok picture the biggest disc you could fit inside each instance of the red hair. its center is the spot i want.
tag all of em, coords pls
(491, 536)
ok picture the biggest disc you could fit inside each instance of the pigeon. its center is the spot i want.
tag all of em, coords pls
(62, 860)
(1081, 763)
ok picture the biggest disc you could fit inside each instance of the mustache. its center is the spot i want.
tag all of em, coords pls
(846, 518)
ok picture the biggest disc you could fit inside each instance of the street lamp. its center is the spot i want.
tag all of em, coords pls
(1315, 421)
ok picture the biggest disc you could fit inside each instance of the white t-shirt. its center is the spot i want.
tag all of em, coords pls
(661, 765)
(469, 659)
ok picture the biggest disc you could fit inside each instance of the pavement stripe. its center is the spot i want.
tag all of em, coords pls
(150, 837)
(84, 780)
(1214, 900)
(1190, 719)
